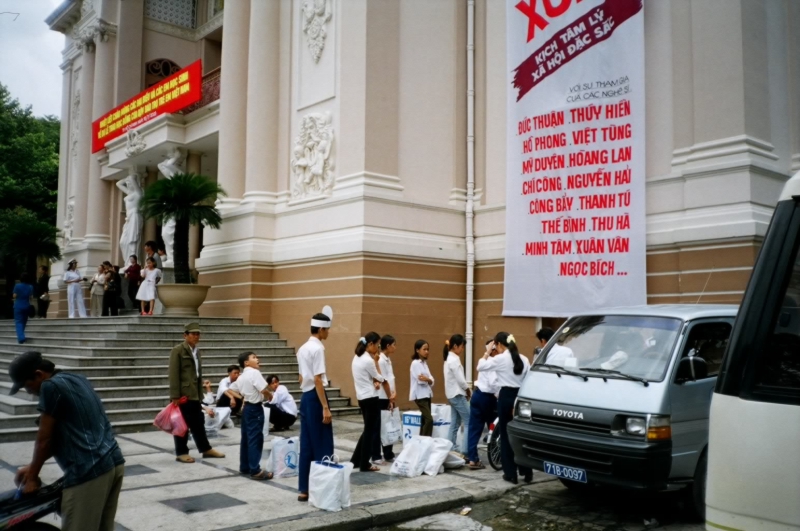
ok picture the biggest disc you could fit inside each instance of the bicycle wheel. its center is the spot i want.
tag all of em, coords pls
(493, 453)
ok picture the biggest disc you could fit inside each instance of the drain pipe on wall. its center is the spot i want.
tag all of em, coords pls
(470, 208)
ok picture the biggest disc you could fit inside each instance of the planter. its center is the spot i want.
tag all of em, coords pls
(182, 299)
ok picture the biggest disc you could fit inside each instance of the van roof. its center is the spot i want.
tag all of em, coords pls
(680, 311)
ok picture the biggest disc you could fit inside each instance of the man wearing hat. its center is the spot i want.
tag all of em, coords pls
(185, 391)
(74, 429)
(316, 429)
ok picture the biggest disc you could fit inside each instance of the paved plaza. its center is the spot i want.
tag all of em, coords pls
(159, 493)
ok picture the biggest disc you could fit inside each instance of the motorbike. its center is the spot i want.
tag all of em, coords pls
(492, 440)
(20, 513)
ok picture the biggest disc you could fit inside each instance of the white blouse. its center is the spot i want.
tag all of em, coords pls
(364, 372)
(503, 366)
(420, 390)
(387, 371)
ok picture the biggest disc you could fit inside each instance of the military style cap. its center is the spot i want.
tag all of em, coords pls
(191, 327)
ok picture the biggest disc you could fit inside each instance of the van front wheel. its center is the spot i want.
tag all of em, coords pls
(698, 488)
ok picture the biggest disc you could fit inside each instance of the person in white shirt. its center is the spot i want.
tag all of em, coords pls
(558, 354)
(482, 409)
(365, 374)
(456, 389)
(421, 385)
(283, 409)
(316, 429)
(223, 400)
(511, 369)
(216, 418)
(384, 362)
(73, 279)
(251, 388)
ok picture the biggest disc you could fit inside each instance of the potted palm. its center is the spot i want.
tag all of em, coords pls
(188, 199)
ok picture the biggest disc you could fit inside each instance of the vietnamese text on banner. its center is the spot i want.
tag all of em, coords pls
(575, 191)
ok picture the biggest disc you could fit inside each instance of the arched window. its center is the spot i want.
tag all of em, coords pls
(158, 69)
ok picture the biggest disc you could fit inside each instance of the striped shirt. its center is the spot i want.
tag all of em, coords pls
(83, 441)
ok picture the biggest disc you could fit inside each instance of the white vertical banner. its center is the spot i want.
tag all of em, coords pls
(575, 191)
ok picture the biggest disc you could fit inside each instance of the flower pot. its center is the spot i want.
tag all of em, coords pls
(182, 299)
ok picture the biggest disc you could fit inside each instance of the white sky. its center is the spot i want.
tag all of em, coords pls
(30, 54)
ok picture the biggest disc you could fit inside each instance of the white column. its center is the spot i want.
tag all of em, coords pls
(233, 104)
(130, 34)
(262, 102)
(193, 165)
(64, 146)
(98, 218)
(80, 181)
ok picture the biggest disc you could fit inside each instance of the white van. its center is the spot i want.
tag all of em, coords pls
(622, 398)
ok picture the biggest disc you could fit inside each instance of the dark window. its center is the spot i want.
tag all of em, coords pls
(708, 341)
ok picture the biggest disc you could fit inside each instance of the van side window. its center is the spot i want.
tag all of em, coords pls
(708, 341)
(777, 369)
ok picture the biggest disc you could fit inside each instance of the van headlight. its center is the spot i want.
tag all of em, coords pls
(524, 409)
(636, 426)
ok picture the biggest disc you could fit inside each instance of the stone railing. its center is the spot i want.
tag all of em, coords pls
(210, 91)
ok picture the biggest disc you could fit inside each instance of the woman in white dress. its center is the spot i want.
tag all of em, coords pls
(97, 291)
(72, 278)
(147, 290)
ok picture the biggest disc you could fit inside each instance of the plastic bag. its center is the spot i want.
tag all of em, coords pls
(170, 420)
(412, 460)
(440, 449)
(285, 457)
(327, 482)
(391, 429)
(265, 429)
(441, 420)
(453, 461)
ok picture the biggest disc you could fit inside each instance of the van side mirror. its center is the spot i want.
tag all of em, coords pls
(690, 369)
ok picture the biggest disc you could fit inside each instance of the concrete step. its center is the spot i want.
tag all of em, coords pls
(138, 319)
(36, 342)
(6, 326)
(106, 333)
(161, 370)
(160, 379)
(231, 352)
(139, 361)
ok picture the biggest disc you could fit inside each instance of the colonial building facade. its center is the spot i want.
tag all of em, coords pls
(345, 133)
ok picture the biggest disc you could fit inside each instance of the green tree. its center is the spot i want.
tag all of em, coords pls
(189, 200)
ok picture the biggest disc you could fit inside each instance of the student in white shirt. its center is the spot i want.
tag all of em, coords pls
(316, 429)
(384, 362)
(223, 400)
(216, 418)
(482, 409)
(421, 386)
(283, 409)
(72, 278)
(456, 389)
(251, 388)
(558, 354)
(511, 368)
(365, 374)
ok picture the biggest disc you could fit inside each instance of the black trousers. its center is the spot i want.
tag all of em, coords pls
(279, 418)
(424, 405)
(371, 412)
(388, 452)
(41, 309)
(133, 289)
(505, 412)
(225, 401)
(193, 415)
(110, 303)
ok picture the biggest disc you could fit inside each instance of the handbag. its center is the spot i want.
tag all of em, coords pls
(45, 297)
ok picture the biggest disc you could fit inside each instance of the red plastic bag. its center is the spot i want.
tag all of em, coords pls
(170, 419)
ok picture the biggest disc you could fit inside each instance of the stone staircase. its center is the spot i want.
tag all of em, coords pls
(126, 359)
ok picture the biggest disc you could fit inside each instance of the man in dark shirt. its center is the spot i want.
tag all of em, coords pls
(74, 429)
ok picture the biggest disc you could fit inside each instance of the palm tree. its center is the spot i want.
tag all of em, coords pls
(189, 200)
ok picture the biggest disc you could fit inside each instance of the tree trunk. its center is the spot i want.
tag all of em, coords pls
(181, 250)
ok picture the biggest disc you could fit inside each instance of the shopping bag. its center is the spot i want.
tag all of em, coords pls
(326, 482)
(412, 460)
(348, 469)
(265, 429)
(391, 429)
(440, 449)
(412, 421)
(285, 457)
(453, 461)
(170, 420)
(441, 420)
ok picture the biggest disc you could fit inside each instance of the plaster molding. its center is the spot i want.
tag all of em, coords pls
(316, 14)
(134, 143)
(312, 164)
(795, 163)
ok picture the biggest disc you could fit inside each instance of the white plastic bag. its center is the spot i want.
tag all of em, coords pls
(412, 460)
(265, 429)
(440, 449)
(391, 429)
(441, 421)
(285, 457)
(453, 461)
(326, 484)
(412, 421)
(348, 469)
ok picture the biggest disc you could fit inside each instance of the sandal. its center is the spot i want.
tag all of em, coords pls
(372, 469)
(476, 466)
(184, 459)
(302, 497)
(262, 475)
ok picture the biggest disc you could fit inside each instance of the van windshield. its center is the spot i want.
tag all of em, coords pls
(638, 346)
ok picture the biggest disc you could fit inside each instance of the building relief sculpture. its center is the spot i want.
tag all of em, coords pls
(134, 143)
(76, 123)
(132, 230)
(87, 6)
(312, 164)
(170, 167)
(316, 14)
(69, 221)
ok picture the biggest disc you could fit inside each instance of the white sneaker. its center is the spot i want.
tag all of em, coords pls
(378, 462)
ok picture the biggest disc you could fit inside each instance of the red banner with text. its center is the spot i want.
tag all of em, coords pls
(168, 96)
(575, 196)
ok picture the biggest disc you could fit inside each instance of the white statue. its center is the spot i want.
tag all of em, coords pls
(134, 144)
(169, 168)
(69, 220)
(132, 230)
(316, 13)
(312, 164)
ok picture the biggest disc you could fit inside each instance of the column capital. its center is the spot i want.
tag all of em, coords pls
(97, 31)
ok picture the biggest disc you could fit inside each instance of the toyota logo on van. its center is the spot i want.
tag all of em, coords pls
(567, 413)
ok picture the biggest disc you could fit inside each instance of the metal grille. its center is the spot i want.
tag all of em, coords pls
(181, 13)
